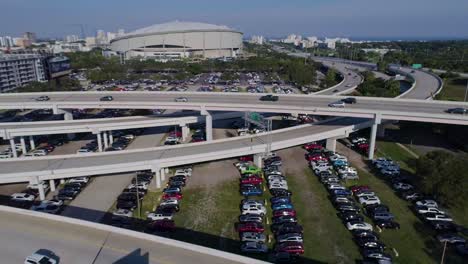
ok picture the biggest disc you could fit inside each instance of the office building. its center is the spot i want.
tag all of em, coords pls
(20, 69)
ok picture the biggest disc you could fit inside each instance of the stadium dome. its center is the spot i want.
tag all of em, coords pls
(175, 40)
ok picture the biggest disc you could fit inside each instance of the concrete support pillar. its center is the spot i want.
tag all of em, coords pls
(381, 131)
(23, 145)
(158, 178)
(166, 170)
(67, 115)
(99, 141)
(40, 187)
(258, 160)
(31, 142)
(163, 174)
(185, 132)
(111, 138)
(62, 181)
(373, 136)
(208, 125)
(52, 185)
(106, 142)
(13, 147)
(331, 144)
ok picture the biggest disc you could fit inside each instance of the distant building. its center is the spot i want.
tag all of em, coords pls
(260, 40)
(6, 41)
(120, 32)
(101, 37)
(22, 42)
(90, 41)
(71, 38)
(20, 69)
(31, 36)
(110, 36)
(60, 47)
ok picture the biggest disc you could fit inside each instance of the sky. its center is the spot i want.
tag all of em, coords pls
(373, 19)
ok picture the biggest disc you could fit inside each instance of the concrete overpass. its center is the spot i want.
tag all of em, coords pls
(81, 242)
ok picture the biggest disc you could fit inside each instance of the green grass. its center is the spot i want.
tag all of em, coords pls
(454, 90)
(326, 239)
(398, 154)
(211, 212)
(414, 241)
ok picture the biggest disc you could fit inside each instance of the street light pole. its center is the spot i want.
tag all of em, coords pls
(138, 196)
(466, 91)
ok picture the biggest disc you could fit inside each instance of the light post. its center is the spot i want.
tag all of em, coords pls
(466, 90)
(138, 196)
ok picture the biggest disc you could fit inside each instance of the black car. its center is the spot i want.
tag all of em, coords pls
(284, 219)
(387, 224)
(280, 192)
(106, 98)
(269, 97)
(359, 233)
(125, 204)
(443, 226)
(175, 183)
(280, 199)
(350, 216)
(178, 178)
(458, 110)
(361, 241)
(348, 208)
(66, 195)
(371, 210)
(287, 228)
(349, 100)
(127, 197)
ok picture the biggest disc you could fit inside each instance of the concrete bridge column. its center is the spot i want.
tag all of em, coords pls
(373, 135)
(258, 160)
(31, 142)
(23, 145)
(62, 181)
(40, 187)
(111, 138)
(99, 141)
(67, 115)
(185, 132)
(13, 147)
(157, 174)
(331, 144)
(208, 125)
(52, 185)
(163, 174)
(105, 139)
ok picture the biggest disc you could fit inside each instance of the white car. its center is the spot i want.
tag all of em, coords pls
(437, 217)
(253, 205)
(159, 216)
(428, 203)
(35, 186)
(278, 186)
(79, 180)
(6, 155)
(22, 197)
(141, 185)
(365, 193)
(40, 258)
(184, 172)
(426, 209)
(170, 202)
(350, 176)
(181, 99)
(336, 187)
(122, 213)
(48, 202)
(368, 200)
(359, 226)
(338, 104)
(250, 202)
(347, 170)
(254, 210)
(129, 136)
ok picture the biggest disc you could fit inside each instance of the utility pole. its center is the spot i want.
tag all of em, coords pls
(466, 90)
(443, 253)
(138, 196)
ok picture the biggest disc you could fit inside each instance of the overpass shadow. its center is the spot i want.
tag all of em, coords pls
(141, 256)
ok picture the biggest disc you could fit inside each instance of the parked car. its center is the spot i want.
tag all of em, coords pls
(280, 212)
(389, 224)
(22, 197)
(252, 237)
(290, 237)
(437, 217)
(253, 247)
(428, 203)
(451, 239)
(295, 248)
(161, 226)
(159, 216)
(250, 227)
(353, 225)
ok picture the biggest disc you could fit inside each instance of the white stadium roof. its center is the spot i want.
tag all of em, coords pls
(177, 26)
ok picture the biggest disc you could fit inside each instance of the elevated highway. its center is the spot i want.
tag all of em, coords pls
(81, 242)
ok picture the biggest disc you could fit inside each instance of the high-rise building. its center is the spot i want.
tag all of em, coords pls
(90, 41)
(101, 37)
(71, 38)
(20, 69)
(257, 40)
(110, 36)
(31, 36)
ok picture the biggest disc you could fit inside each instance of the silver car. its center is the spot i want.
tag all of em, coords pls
(254, 247)
(251, 218)
(338, 104)
(181, 99)
(253, 237)
(291, 237)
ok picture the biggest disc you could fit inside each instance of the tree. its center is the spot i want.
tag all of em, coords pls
(444, 175)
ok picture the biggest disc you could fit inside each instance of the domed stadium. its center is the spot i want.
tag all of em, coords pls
(176, 40)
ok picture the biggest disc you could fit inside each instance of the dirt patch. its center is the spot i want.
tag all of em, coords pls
(213, 173)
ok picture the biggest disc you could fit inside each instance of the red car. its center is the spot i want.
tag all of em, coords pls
(175, 134)
(168, 196)
(285, 212)
(246, 158)
(250, 227)
(358, 188)
(294, 248)
(161, 226)
(252, 180)
(312, 146)
(196, 140)
(315, 157)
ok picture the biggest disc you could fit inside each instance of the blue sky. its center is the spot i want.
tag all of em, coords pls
(351, 18)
